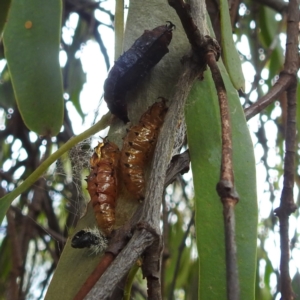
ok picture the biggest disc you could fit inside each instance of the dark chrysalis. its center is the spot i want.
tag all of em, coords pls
(138, 148)
(133, 65)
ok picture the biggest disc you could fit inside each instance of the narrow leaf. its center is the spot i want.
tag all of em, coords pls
(204, 139)
(31, 41)
(231, 57)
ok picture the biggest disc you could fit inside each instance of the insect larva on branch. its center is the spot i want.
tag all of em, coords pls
(103, 189)
(91, 238)
(133, 65)
(138, 148)
(103, 184)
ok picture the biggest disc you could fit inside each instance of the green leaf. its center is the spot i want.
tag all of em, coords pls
(76, 80)
(296, 284)
(75, 75)
(4, 8)
(31, 41)
(204, 139)
(231, 57)
(269, 31)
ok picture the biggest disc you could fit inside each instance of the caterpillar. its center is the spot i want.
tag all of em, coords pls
(91, 238)
(102, 185)
(138, 147)
(133, 65)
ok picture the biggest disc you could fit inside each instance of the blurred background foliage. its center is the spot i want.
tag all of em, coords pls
(38, 222)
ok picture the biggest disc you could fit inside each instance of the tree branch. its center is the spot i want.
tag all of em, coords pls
(225, 186)
(280, 86)
(287, 205)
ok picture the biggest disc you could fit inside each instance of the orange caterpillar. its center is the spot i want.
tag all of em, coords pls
(103, 184)
(138, 147)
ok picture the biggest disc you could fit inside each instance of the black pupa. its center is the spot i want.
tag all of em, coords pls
(133, 65)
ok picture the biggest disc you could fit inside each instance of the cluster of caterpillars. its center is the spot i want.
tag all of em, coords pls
(108, 164)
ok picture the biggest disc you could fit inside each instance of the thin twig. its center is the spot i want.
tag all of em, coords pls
(94, 277)
(287, 205)
(283, 83)
(151, 269)
(225, 186)
(121, 265)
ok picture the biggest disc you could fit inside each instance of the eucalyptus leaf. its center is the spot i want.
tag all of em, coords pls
(31, 41)
(204, 139)
(231, 57)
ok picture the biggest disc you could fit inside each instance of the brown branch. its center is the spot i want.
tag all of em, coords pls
(13, 287)
(179, 164)
(94, 277)
(233, 11)
(225, 186)
(283, 83)
(287, 205)
(151, 269)
(182, 9)
(121, 265)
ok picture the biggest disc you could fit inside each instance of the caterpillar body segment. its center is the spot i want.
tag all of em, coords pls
(138, 147)
(103, 184)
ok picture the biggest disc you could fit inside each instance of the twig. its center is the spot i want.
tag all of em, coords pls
(180, 252)
(151, 269)
(233, 10)
(16, 258)
(121, 265)
(196, 39)
(284, 82)
(179, 164)
(94, 277)
(165, 236)
(287, 205)
(225, 186)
